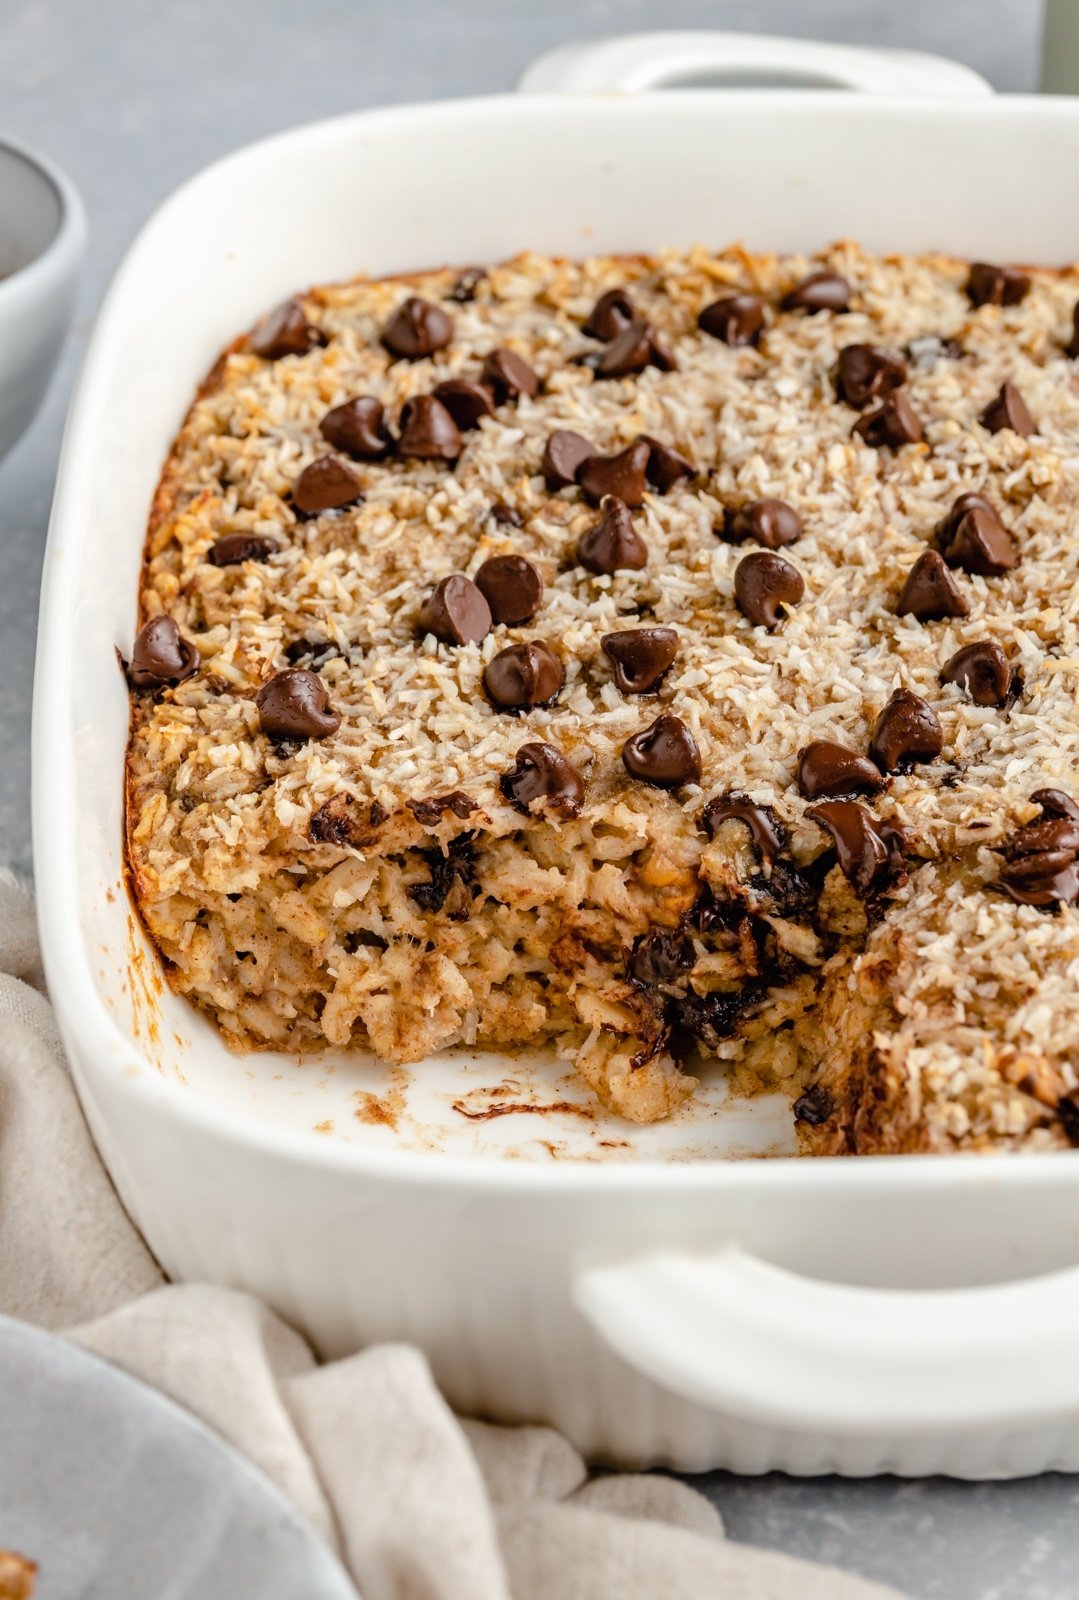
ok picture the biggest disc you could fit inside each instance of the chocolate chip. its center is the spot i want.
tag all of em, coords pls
(660, 957)
(1042, 859)
(1072, 347)
(294, 705)
(417, 329)
(623, 474)
(232, 548)
(466, 284)
(286, 332)
(466, 402)
(772, 523)
(611, 313)
(869, 851)
(827, 770)
(983, 671)
(357, 428)
(563, 453)
(996, 286)
(664, 754)
(523, 675)
(313, 653)
(736, 319)
(326, 485)
(711, 1018)
(930, 592)
(973, 537)
(821, 291)
(512, 588)
(455, 612)
(508, 376)
(613, 543)
(765, 829)
(161, 656)
(428, 431)
(814, 1107)
(666, 466)
(907, 731)
(890, 425)
(635, 348)
(640, 656)
(335, 822)
(867, 372)
(1008, 410)
(506, 516)
(452, 873)
(1068, 1112)
(543, 774)
(765, 585)
(430, 811)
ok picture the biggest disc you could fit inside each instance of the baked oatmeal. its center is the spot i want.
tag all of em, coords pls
(668, 659)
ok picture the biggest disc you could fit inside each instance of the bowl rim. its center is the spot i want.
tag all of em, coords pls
(68, 240)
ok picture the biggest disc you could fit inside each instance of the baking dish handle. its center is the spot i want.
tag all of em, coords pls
(758, 1342)
(639, 61)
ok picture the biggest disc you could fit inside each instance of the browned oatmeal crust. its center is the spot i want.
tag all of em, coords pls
(383, 884)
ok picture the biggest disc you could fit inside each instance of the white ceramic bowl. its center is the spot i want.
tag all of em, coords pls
(42, 239)
(651, 1296)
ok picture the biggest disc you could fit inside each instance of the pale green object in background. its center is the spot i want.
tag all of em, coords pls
(1060, 47)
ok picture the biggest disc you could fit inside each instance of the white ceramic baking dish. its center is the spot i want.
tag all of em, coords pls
(650, 1294)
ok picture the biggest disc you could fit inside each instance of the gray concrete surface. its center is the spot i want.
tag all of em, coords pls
(133, 95)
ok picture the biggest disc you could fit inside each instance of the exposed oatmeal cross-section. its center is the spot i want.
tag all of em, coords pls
(668, 659)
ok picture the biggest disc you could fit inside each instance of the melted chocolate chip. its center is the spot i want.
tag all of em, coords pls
(452, 872)
(711, 1018)
(821, 291)
(508, 377)
(641, 657)
(735, 319)
(814, 1107)
(161, 656)
(611, 313)
(623, 474)
(907, 731)
(772, 523)
(327, 484)
(1068, 1112)
(335, 822)
(613, 543)
(357, 428)
(286, 332)
(294, 705)
(664, 754)
(543, 774)
(765, 829)
(466, 402)
(869, 851)
(428, 431)
(313, 653)
(1072, 347)
(506, 516)
(827, 771)
(233, 548)
(930, 592)
(1042, 858)
(466, 284)
(523, 675)
(563, 454)
(430, 811)
(1008, 410)
(765, 586)
(666, 466)
(891, 425)
(866, 372)
(635, 348)
(455, 612)
(512, 588)
(996, 286)
(660, 957)
(417, 329)
(973, 537)
(983, 671)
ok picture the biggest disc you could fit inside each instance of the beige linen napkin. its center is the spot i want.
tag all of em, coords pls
(418, 1503)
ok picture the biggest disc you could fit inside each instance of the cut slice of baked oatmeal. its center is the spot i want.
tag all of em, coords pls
(663, 658)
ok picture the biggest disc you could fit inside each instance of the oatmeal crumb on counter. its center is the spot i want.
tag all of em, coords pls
(671, 659)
